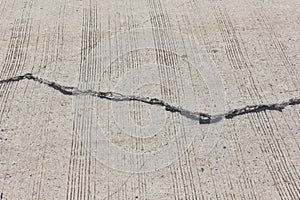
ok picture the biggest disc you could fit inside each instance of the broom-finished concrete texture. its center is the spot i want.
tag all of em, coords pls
(153, 99)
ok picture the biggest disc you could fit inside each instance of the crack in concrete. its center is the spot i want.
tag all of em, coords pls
(203, 118)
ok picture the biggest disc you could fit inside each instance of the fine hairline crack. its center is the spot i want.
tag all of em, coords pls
(203, 118)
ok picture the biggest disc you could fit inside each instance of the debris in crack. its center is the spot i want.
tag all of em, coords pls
(263, 107)
(203, 118)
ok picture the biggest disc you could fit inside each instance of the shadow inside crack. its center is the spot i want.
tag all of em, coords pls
(203, 118)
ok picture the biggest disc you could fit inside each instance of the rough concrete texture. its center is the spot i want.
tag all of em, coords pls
(149, 99)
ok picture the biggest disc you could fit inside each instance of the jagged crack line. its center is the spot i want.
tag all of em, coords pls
(203, 118)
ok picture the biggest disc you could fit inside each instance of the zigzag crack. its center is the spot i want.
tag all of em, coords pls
(204, 118)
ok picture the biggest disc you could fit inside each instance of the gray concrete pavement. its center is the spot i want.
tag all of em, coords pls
(63, 137)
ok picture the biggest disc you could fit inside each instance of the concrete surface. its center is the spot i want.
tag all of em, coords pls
(203, 56)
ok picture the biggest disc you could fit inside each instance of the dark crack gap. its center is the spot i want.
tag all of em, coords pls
(203, 118)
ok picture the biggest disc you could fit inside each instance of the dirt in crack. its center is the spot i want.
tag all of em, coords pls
(203, 118)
